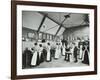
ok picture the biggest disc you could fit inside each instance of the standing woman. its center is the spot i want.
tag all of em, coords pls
(80, 52)
(35, 57)
(41, 55)
(57, 51)
(63, 49)
(44, 49)
(48, 59)
(75, 53)
(86, 55)
(68, 53)
(72, 52)
(80, 46)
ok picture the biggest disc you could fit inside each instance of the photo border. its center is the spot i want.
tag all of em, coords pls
(14, 39)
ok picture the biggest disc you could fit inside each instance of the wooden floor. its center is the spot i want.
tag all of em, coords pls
(60, 63)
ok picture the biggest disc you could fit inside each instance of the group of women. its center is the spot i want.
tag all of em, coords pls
(46, 51)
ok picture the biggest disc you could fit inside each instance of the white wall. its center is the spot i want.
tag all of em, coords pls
(5, 24)
(76, 32)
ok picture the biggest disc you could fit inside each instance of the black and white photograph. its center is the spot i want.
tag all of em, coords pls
(55, 39)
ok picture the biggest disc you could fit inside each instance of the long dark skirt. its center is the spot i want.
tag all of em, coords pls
(37, 62)
(26, 59)
(41, 58)
(52, 51)
(86, 58)
(44, 54)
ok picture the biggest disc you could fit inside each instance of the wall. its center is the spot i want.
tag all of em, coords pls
(5, 40)
(25, 31)
(30, 42)
(76, 32)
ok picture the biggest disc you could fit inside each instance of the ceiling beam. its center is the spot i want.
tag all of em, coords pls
(58, 30)
(61, 25)
(44, 17)
(52, 19)
(85, 25)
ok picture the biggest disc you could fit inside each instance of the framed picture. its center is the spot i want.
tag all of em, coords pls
(30, 35)
(44, 36)
(40, 35)
(48, 36)
(77, 20)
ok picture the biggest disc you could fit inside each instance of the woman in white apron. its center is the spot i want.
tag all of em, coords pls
(57, 51)
(41, 56)
(34, 60)
(48, 53)
(72, 52)
(80, 52)
(63, 50)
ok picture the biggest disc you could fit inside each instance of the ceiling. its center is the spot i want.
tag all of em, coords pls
(54, 22)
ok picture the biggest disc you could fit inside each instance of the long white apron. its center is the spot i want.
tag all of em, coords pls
(63, 51)
(80, 53)
(72, 55)
(48, 54)
(57, 53)
(34, 58)
(40, 54)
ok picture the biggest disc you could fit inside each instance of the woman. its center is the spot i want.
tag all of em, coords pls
(80, 52)
(48, 58)
(63, 49)
(57, 54)
(26, 58)
(41, 56)
(68, 53)
(72, 52)
(59, 49)
(75, 53)
(44, 49)
(86, 55)
(80, 46)
(35, 57)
